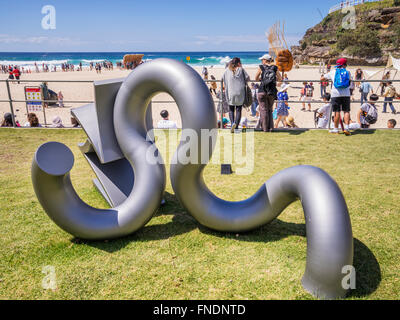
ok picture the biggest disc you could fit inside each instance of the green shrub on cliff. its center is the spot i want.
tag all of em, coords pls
(362, 42)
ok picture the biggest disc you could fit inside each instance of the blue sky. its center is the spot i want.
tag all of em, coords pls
(169, 25)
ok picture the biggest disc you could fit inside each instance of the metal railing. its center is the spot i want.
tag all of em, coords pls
(349, 3)
(10, 100)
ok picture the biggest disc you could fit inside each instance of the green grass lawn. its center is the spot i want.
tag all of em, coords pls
(173, 257)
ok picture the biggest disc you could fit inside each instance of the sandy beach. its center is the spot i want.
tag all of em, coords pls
(84, 92)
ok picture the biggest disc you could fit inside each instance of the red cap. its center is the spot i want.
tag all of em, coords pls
(341, 62)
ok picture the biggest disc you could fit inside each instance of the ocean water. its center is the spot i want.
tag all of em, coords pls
(28, 59)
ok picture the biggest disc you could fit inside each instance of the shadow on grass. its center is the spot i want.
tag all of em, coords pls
(294, 132)
(368, 272)
(365, 131)
(181, 223)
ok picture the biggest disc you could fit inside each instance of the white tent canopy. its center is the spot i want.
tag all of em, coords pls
(393, 63)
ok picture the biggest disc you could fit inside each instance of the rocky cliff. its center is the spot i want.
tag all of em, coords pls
(377, 34)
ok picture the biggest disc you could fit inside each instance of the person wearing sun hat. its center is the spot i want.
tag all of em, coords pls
(291, 123)
(267, 92)
(282, 110)
(340, 94)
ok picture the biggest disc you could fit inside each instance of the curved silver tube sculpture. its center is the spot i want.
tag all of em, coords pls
(328, 226)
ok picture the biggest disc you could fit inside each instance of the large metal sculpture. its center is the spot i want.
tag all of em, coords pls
(121, 155)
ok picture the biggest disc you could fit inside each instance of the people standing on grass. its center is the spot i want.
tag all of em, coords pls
(234, 80)
(390, 94)
(340, 94)
(267, 92)
(282, 110)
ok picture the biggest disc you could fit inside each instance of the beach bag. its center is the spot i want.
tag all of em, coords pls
(372, 115)
(248, 95)
(268, 81)
(392, 93)
(275, 114)
(342, 78)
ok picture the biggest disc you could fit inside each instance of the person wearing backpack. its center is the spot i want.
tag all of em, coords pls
(267, 92)
(340, 94)
(390, 94)
(307, 94)
(368, 114)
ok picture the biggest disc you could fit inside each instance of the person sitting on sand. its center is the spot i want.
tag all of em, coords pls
(290, 122)
(165, 123)
(324, 112)
(33, 121)
(391, 124)
(368, 114)
(57, 122)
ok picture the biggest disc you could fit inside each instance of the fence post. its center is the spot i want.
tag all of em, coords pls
(10, 101)
(221, 102)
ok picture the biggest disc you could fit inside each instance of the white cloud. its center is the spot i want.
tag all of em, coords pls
(9, 39)
(217, 40)
(291, 39)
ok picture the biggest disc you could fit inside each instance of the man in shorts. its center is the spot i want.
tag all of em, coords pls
(340, 97)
